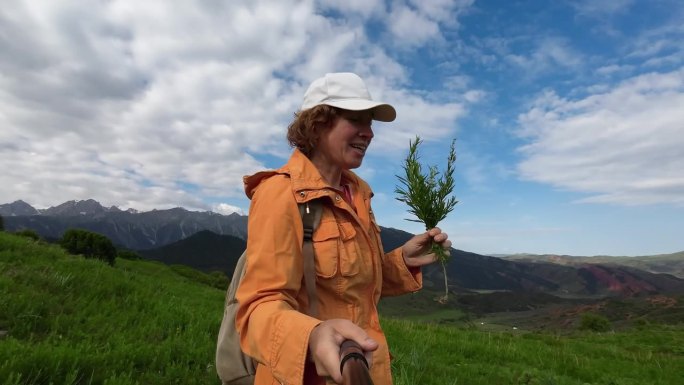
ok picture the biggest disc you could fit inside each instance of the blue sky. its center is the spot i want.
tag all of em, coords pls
(568, 115)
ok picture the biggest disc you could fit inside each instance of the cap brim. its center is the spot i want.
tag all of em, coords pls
(382, 112)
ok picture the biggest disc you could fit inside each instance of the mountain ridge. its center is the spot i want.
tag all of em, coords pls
(210, 241)
(131, 229)
(92, 208)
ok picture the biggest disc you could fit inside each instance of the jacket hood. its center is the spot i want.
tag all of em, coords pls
(303, 175)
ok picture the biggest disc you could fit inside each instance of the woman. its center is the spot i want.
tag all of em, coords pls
(330, 134)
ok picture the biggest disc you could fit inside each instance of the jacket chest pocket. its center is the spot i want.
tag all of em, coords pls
(336, 249)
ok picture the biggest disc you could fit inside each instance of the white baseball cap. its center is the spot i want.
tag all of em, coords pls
(347, 91)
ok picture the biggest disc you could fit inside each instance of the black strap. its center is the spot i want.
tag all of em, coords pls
(311, 217)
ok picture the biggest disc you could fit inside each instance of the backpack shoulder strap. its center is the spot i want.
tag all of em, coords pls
(311, 216)
(238, 273)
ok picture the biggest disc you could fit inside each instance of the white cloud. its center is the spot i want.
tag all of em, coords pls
(442, 10)
(474, 96)
(153, 105)
(614, 69)
(365, 8)
(457, 82)
(412, 28)
(226, 209)
(414, 23)
(659, 47)
(547, 55)
(622, 146)
(594, 8)
(416, 116)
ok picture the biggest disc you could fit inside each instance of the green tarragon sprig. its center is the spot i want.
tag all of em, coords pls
(428, 196)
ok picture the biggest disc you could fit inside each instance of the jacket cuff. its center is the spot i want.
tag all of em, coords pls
(397, 277)
(415, 281)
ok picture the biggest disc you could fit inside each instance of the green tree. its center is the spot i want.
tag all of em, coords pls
(89, 244)
(2, 224)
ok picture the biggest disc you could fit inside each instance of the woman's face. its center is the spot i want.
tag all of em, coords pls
(344, 144)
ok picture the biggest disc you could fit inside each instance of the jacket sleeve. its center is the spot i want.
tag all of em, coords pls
(272, 330)
(397, 278)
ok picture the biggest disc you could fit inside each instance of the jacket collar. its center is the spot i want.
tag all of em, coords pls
(305, 178)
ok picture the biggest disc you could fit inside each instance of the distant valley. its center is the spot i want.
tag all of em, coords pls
(662, 263)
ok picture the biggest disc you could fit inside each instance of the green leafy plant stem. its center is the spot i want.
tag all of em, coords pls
(427, 195)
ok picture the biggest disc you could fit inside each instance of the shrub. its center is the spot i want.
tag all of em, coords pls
(594, 322)
(89, 244)
(28, 233)
(642, 323)
(221, 280)
(128, 254)
(217, 279)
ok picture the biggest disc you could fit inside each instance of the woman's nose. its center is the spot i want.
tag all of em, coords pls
(366, 131)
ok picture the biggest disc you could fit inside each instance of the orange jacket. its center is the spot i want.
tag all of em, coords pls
(352, 271)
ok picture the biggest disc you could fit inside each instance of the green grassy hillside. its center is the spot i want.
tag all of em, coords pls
(439, 355)
(67, 320)
(75, 321)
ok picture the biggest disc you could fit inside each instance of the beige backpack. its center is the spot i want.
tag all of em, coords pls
(232, 365)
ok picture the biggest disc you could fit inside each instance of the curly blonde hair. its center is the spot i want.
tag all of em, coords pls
(308, 125)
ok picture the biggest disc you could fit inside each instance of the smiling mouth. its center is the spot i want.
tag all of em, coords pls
(360, 147)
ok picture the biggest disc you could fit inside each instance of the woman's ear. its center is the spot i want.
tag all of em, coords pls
(319, 128)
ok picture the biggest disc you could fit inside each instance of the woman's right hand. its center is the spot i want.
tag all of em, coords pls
(325, 341)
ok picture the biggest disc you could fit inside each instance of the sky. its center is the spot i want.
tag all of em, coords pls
(568, 115)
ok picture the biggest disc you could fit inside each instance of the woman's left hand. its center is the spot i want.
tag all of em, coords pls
(416, 250)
